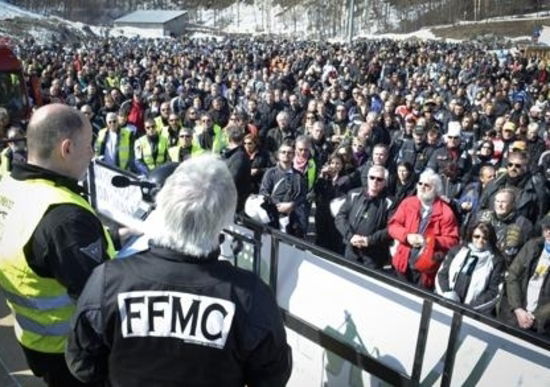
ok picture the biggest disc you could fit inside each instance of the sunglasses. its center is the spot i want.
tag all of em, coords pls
(479, 236)
(515, 165)
(422, 184)
(376, 178)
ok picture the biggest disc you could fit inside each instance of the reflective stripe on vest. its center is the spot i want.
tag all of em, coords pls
(41, 305)
(26, 324)
(147, 151)
(123, 146)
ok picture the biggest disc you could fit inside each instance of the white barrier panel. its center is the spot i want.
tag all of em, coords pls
(373, 317)
(383, 321)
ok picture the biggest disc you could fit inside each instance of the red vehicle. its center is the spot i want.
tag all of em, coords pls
(13, 90)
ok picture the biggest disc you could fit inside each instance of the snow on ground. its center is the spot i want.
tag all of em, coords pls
(10, 11)
(238, 18)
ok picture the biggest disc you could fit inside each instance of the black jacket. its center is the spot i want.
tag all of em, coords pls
(61, 247)
(161, 318)
(533, 201)
(239, 165)
(367, 217)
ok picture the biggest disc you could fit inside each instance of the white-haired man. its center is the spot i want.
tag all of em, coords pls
(175, 314)
(426, 228)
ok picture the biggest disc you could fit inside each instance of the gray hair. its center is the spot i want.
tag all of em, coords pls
(380, 168)
(196, 202)
(282, 114)
(434, 178)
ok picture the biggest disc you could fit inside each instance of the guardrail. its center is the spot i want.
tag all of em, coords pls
(349, 325)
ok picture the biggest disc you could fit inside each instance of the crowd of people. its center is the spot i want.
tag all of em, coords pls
(430, 158)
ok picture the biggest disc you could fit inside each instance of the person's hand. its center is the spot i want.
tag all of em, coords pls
(525, 319)
(254, 171)
(415, 240)
(285, 207)
(466, 206)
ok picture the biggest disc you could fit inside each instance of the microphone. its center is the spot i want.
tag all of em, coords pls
(120, 181)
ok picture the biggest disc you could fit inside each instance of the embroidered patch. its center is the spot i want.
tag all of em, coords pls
(94, 251)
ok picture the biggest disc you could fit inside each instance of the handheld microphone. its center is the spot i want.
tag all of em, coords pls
(120, 181)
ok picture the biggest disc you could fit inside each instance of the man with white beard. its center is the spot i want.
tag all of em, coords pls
(426, 228)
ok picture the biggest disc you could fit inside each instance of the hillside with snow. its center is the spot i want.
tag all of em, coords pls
(18, 23)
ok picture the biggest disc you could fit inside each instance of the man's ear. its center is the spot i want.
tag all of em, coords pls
(65, 147)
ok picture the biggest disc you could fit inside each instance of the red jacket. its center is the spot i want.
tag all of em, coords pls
(443, 227)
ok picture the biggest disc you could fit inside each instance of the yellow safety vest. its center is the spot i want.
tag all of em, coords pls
(174, 153)
(159, 124)
(41, 306)
(144, 151)
(219, 143)
(125, 138)
(311, 173)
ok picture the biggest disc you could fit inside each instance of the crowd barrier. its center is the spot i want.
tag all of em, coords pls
(352, 326)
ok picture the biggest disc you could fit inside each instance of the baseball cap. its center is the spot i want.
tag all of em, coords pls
(509, 125)
(519, 146)
(454, 129)
(419, 130)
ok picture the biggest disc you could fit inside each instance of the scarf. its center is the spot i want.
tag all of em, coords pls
(479, 276)
(300, 163)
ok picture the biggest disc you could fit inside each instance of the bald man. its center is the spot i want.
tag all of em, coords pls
(50, 237)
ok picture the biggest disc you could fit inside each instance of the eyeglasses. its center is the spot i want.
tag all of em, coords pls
(422, 184)
(378, 179)
(479, 236)
(515, 165)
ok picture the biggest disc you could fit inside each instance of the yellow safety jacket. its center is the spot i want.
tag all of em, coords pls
(123, 148)
(219, 143)
(144, 151)
(311, 172)
(41, 306)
